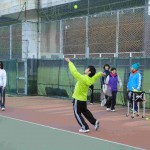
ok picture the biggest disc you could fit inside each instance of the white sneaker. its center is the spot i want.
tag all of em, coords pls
(84, 131)
(3, 108)
(97, 125)
(108, 109)
(91, 103)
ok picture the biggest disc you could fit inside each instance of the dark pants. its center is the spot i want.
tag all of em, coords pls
(107, 100)
(2, 97)
(92, 93)
(80, 107)
(111, 102)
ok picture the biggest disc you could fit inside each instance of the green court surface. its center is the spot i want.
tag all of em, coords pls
(22, 135)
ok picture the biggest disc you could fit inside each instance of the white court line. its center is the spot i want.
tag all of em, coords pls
(70, 132)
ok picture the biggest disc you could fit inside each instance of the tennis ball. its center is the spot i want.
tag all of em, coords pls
(147, 118)
(75, 6)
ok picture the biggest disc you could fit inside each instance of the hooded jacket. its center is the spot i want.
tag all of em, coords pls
(113, 81)
(134, 81)
(83, 83)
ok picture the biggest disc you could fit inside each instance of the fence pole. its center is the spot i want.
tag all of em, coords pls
(38, 39)
(60, 40)
(87, 38)
(25, 62)
(10, 42)
(26, 76)
(117, 35)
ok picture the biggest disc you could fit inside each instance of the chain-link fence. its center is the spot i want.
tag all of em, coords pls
(19, 41)
(50, 39)
(74, 35)
(4, 42)
(53, 78)
(11, 42)
(121, 36)
(121, 33)
(11, 70)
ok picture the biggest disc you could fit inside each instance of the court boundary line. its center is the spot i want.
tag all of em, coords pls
(37, 124)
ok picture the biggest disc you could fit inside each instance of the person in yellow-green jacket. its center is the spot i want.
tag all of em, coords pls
(80, 95)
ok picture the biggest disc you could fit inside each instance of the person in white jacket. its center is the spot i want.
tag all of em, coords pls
(3, 80)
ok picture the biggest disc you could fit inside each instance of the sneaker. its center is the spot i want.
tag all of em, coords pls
(113, 110)
(108, 109)
(96, 125)
(84, 131)
(3, 108)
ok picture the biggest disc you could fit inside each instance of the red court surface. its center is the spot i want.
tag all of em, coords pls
(114, 126)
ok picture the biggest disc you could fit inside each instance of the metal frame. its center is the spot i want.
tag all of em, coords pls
(138, 103)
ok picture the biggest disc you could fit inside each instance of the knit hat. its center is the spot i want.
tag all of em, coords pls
(135, 66)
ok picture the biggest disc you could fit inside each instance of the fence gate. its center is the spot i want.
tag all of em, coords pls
(21, 77)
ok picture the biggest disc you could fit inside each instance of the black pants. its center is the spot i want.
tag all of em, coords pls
(2, 97)
(92, 93)
(111, 102)
(80, 107)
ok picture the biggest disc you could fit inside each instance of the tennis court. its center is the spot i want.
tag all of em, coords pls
(35, 123)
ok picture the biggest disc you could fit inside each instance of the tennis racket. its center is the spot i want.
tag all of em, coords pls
(107, 90)
(102, 99)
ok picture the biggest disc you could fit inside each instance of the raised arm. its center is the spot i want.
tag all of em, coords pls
(97, 76)
(74, 71)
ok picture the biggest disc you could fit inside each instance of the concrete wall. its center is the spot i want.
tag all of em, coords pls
(14, 6)
(49, 39)
(29, 40)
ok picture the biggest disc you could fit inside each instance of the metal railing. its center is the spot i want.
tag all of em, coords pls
(100, 55)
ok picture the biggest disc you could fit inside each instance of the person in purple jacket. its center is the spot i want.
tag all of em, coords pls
(112, 80)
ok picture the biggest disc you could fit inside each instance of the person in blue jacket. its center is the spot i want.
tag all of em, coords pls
(134, 82)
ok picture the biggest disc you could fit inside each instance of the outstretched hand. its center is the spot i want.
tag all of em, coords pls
(67, 59)
(103, 74)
